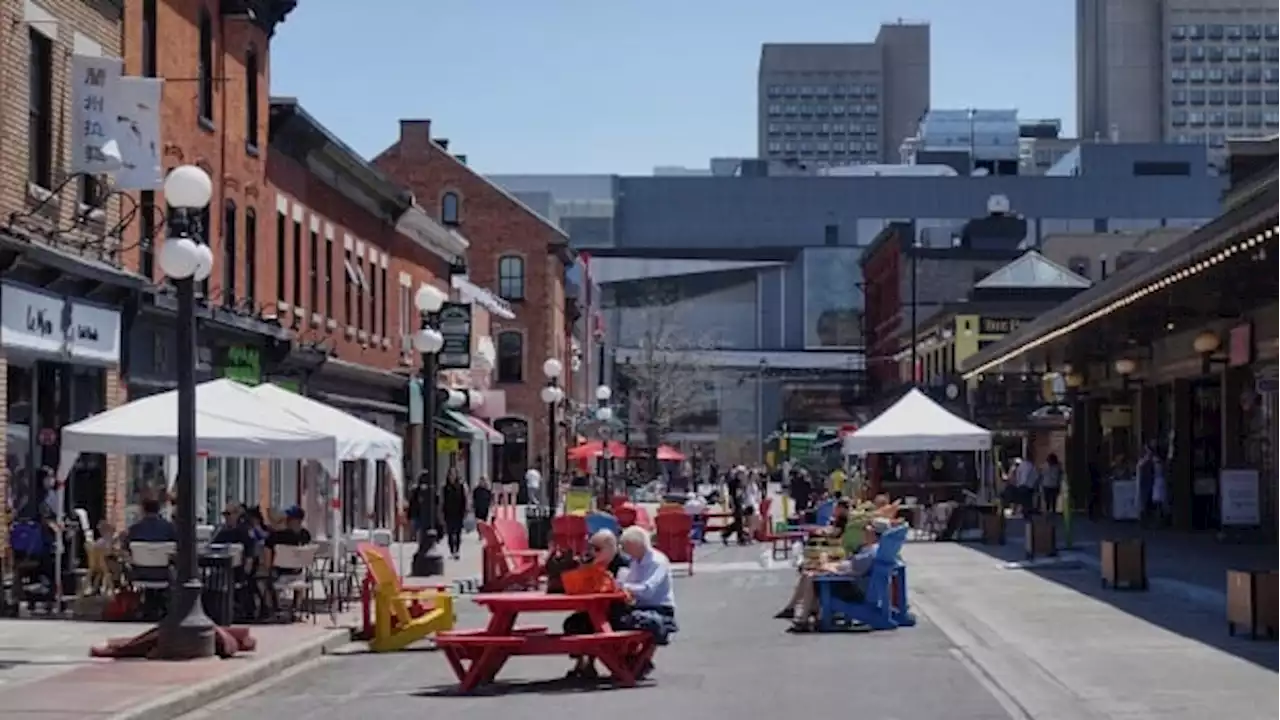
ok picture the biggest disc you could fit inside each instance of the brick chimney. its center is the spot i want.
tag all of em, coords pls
(415, 134)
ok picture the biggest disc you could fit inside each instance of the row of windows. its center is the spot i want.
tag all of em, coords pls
(824, 128)
(1225, 97)
(827, 162)
(205, 81)
(837, 110)
(868, 90)
(1233, 118)
(1229, 53)
(1251, 31)
(1213, 140)
(822, 146)
(1216, 75)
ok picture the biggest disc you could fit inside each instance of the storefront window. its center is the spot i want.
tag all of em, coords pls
(227, 481)
(18, 385)
(283, 490)
(146, 478)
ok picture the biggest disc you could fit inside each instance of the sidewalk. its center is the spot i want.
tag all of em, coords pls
(46, 672)
(1058, 647)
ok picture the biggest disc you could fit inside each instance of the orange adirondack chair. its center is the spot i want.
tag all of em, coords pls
(674, 538)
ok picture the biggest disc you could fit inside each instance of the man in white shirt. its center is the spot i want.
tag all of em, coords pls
(1025, 477)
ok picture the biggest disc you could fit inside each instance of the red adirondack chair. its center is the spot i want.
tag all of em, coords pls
(674, 539)
(506, 567)
(569, 532)
(643, 519)
(626, 515)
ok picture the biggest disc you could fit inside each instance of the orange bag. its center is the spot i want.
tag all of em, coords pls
(587, 580)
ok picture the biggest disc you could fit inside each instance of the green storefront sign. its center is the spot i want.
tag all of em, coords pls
(242, 364)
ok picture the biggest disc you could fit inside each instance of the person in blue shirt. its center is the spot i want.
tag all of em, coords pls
(651, 597)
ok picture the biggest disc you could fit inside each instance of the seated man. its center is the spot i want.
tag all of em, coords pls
(803, 606)
(151, 527)
(651, 598)
(293, 533)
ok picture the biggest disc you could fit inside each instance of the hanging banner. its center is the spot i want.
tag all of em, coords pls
(137, 133)
(95, 84)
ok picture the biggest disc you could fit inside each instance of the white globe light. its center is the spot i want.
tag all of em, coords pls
(188, 187)
(552, 368)
(179, 258)
(457, 399)
(603, 393)
(551, 394)
(204, 265)
(604, 414)
(430, 299)
(428, 340)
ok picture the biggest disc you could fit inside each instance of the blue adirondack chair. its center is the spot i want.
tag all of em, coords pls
(597, 521)
(877, 610)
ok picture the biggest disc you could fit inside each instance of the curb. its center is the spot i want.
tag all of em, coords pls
(182, 702)
(1190, 592)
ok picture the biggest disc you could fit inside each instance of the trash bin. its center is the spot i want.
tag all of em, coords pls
(537, 522)
(217, 578)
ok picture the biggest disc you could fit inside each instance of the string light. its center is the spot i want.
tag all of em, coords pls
(1155, 286)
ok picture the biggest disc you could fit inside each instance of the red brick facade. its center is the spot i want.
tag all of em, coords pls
(497, 225)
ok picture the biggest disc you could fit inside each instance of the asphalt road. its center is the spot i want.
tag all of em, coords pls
(730, 660)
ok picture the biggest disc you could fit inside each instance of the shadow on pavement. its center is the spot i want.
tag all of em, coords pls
(503, 688)
(1202, 623)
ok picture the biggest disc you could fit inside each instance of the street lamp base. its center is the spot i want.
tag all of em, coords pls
(188, 634)
(427, 561)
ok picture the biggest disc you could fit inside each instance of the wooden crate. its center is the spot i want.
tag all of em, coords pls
(1041, 537)
(992, 526)
(1124, 564)
(1251, 602)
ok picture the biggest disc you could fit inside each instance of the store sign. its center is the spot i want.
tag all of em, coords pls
(998, 326)
(1239, 495)
(242, 364)
(94, 333)
(41, 323)
(455, 325)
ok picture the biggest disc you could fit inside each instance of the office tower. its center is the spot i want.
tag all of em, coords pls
(836, 104)
(1187, 71)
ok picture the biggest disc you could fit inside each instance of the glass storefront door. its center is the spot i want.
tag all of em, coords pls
(229, 480)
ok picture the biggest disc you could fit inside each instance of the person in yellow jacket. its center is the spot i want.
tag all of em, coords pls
(835, 481)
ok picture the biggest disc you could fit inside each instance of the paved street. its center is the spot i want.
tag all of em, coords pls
(729, 659)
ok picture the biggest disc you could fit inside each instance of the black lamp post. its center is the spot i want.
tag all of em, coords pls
(186, 632)
(427, 560)
(552, 394)
(604, 416)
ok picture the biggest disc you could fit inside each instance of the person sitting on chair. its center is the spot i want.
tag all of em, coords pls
(603, 551)
(839, 521)
(651, 596)
(803, 606)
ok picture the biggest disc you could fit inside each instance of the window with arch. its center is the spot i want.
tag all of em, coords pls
(251, 99)
(511, 277)
(205, 74)
(229, 254)
(450, 208)
(510, 357)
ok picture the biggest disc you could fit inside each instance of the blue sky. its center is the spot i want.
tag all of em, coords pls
(619, 86)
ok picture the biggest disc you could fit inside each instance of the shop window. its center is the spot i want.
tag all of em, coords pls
(283, 486)
(229, 481)
(510, 357)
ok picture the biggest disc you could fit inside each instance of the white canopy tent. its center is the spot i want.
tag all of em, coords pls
(917, 424)
(231, 421)
(358, 440)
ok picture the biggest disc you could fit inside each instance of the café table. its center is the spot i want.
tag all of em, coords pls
(477, 656)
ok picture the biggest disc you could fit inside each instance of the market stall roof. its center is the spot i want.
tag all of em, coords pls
(231, 421)
(917, 424)
(357, 439)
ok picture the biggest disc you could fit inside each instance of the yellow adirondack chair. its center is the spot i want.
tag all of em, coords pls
(394, 626)
(577, 502)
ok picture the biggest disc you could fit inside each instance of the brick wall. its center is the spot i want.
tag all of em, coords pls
(496, 225)
(4, 470)
(72, 26)
(117, 480)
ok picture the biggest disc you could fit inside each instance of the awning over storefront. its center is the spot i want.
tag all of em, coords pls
(454, 424)
(1241, 228)
(485, 429)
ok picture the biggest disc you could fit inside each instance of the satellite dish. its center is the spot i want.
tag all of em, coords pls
(998, 205)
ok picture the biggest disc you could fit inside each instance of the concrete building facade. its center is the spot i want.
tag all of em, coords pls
(843, 103)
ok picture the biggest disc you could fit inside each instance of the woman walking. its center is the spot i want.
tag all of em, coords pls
(453, 509)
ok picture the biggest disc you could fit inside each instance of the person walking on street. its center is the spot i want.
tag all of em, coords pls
(482, 499)
(1051, 483)
(453, 511)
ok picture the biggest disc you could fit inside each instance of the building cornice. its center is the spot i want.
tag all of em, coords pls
(446, 243)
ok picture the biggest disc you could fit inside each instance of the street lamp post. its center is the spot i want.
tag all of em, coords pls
(427, 560)
(186, 632)
(604, 415)
(552, 394)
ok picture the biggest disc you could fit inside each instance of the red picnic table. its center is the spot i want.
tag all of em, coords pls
(476, 656)
(725, 519)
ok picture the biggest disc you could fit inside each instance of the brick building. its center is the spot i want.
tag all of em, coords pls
(59, 258)
(517, 254)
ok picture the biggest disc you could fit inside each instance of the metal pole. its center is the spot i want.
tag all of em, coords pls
(550, 480)
(427, 561)
(187, 632)
(915, 306)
